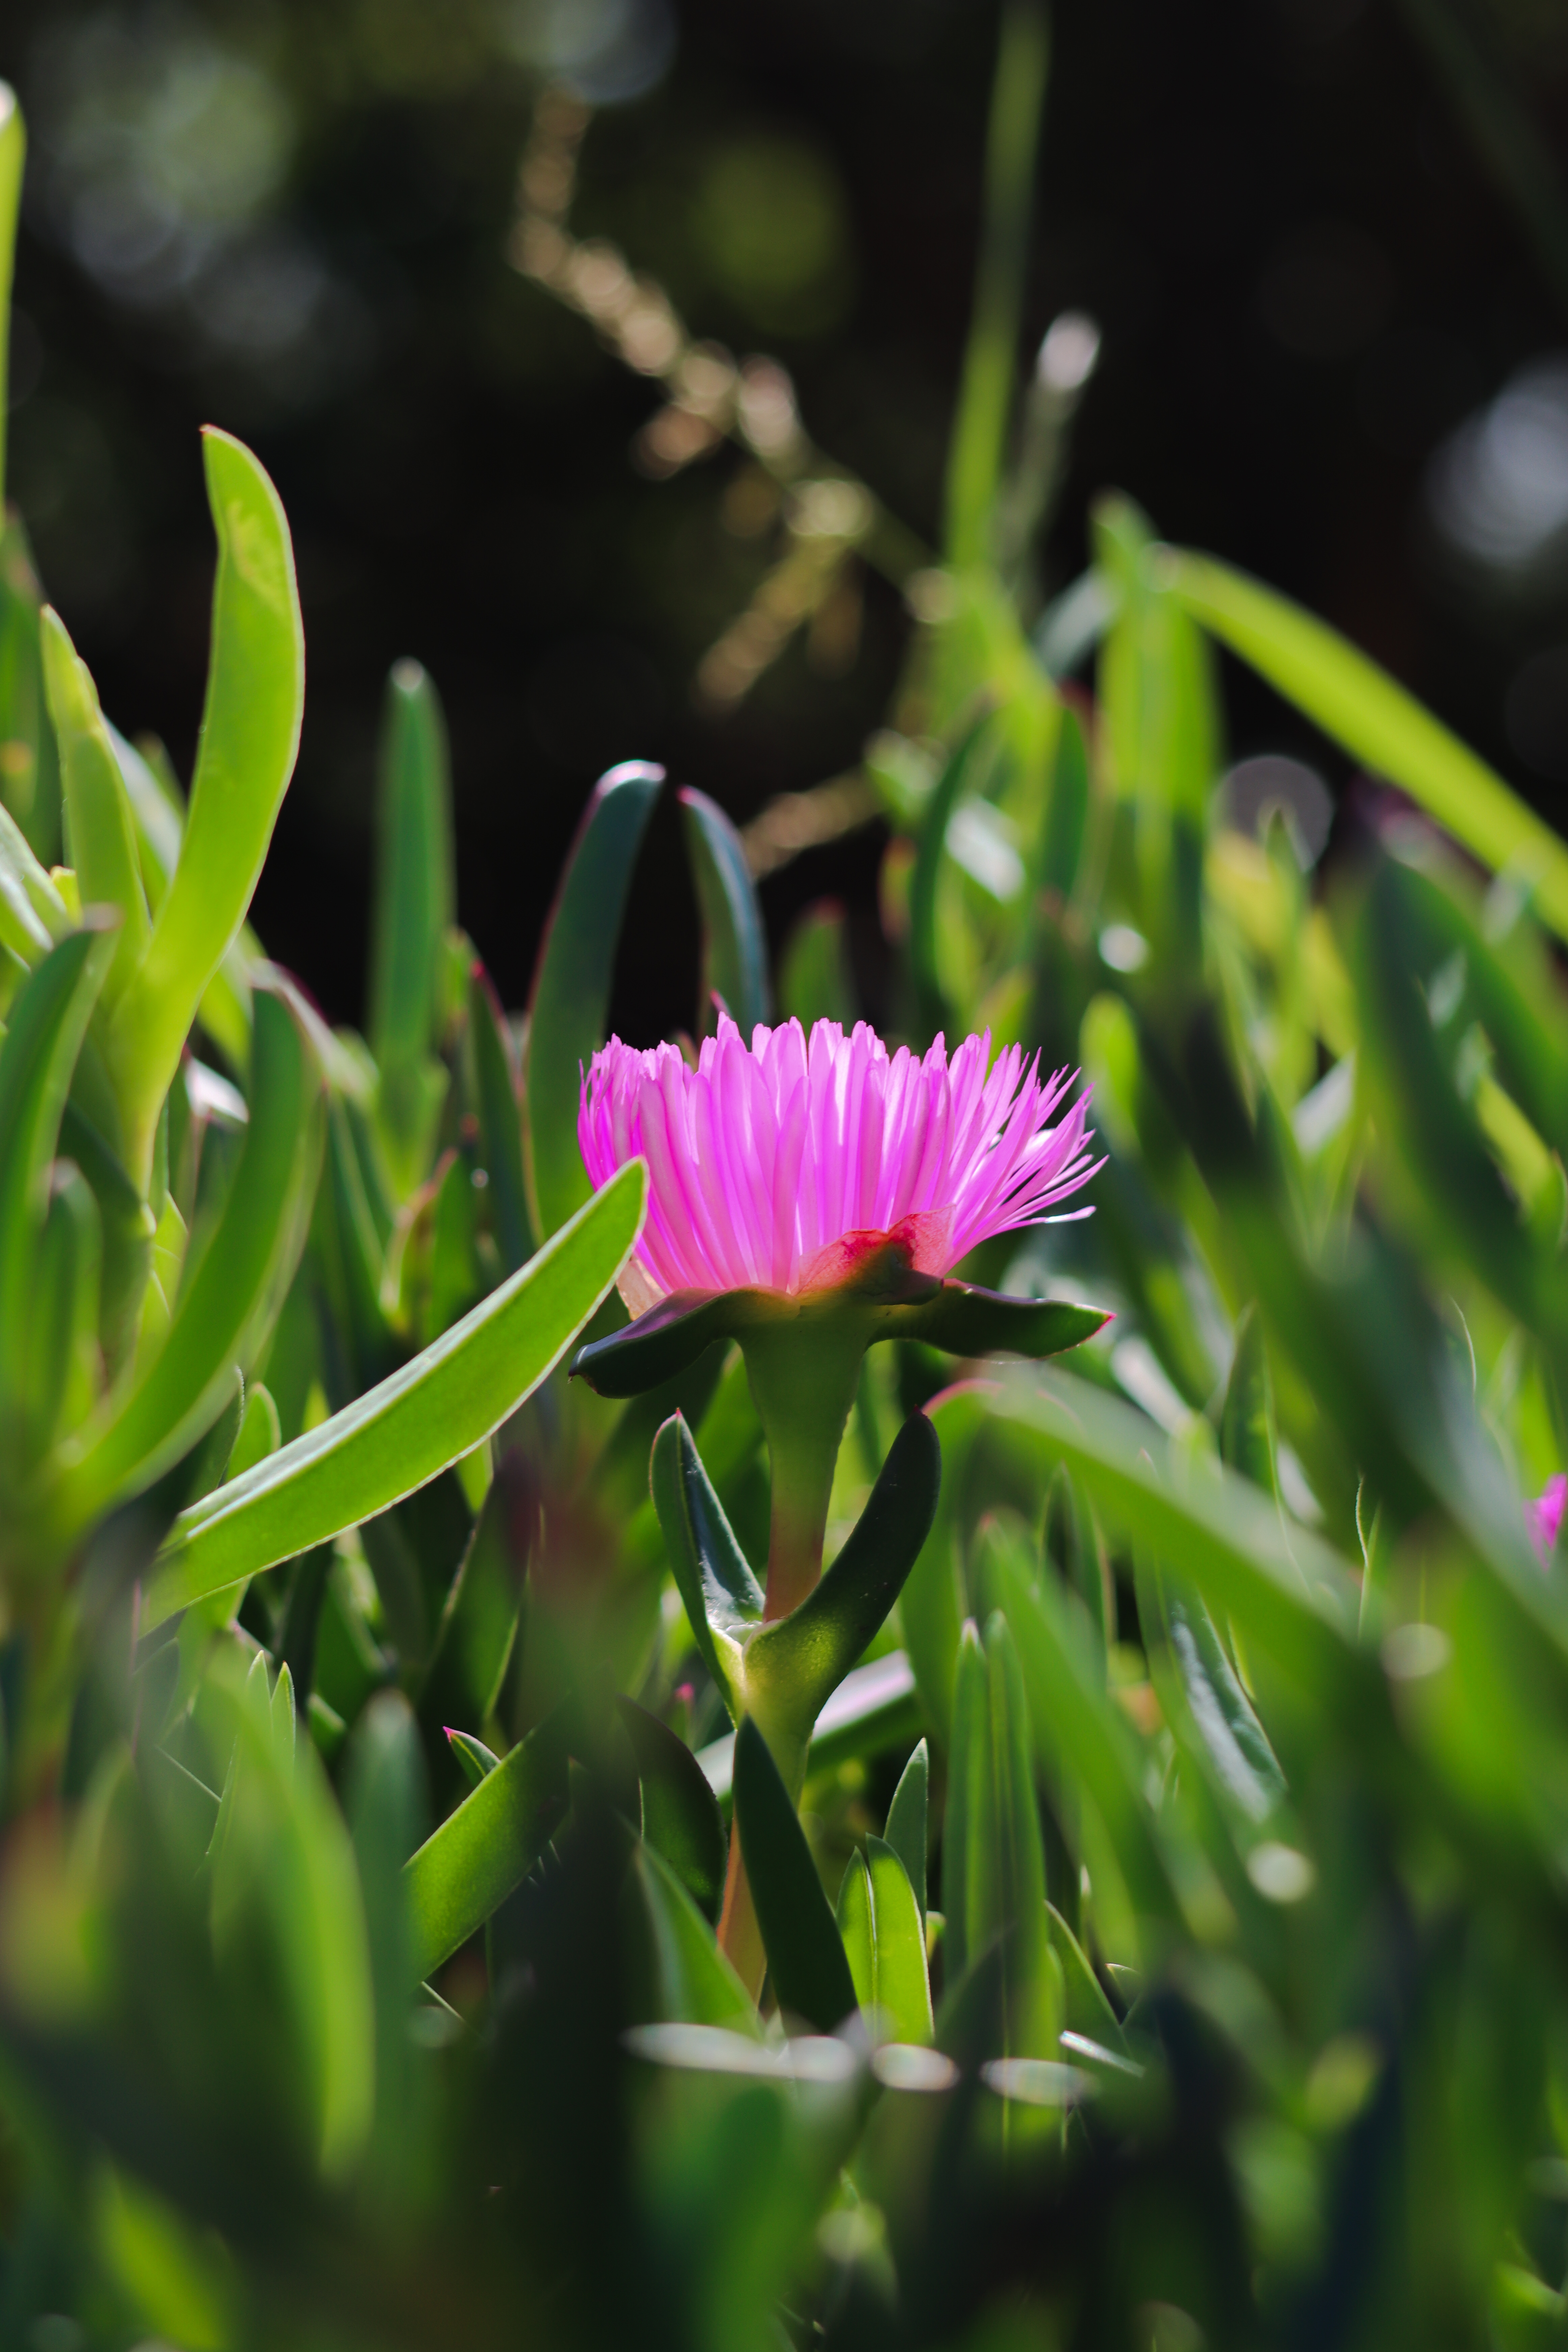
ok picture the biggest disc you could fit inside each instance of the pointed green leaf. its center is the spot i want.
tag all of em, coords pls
(36, 1057)
(456, 1279)
(409, 1428)
(805, 1958)
(712, 1574)
(412, 910)
(902, 1985)
(697, 1984)
(250, 732)
(906, 1824)
(931, 1609)
(259, 1432)
(1377, 722)
(734, 943)
(498, 1087)
(1087, 2005)
(475, 1761)
(465, 1869)
(1015, 1882)
(230, 1298)
(857, 1929)
(572, 980)
(680, 1816)
(793, 1665)
(387, 1808)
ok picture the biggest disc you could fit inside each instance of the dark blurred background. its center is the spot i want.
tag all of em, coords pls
(1323, 238)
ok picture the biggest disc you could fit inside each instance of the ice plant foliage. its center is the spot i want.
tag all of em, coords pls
(775, 1166)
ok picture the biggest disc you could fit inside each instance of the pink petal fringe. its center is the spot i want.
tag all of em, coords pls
(762, 1161)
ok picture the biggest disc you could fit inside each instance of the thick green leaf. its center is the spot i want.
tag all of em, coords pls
(230, 1298)
(902, 1984)
(906, 1824)
(680, 1816)
(158, 808)
(456, 1280)
(720, 1594)
(497, 1087)
(734, 943)
(857, 1929)
(932, 1606)
(409, 1428)
(413, 910)
(29, 784)
(968, 1321)
(387, 1810)
(13, 154)
(696, 1982)
(250, 732)
(792, 1666)
(805, 1958)
(571, 981)
(1350, 698)
(38, 1053)
(465, 1869)
(101, 829)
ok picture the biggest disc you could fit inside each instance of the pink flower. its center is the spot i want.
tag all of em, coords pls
(781, 1167)
(1545, 1516)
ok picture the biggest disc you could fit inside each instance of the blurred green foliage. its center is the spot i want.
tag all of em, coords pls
(1168, 1944)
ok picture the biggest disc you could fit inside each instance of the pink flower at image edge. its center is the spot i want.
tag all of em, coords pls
(1545, 1515)
(770, 1165)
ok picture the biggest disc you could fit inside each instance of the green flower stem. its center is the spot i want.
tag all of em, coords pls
(803, 1375)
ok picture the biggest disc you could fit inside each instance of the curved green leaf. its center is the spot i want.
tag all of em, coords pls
(477, 1627)
(806, 1958)
(793, 1665)
(571, 981)
(734, 943)
(680, 1816)
(1350, 698)
(63, 1364)
(250, 732)
(229, 1296)
(409, 1428)
(33, 915)
(464, 1871)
